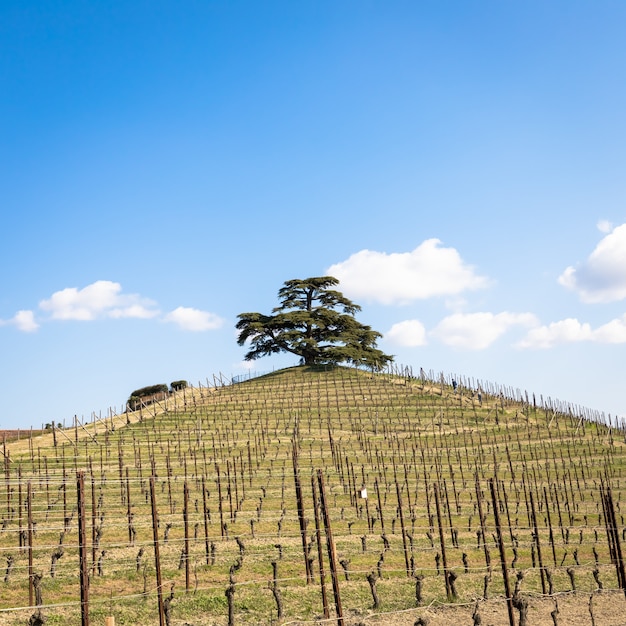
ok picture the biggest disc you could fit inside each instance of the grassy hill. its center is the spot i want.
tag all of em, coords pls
(457, 480)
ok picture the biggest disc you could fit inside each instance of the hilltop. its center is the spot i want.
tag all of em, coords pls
(428, 484)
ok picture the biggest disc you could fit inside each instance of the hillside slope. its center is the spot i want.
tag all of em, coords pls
(427, 488)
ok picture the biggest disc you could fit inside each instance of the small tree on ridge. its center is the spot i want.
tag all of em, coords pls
(314, 322)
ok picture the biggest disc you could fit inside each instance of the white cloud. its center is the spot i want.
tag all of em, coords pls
(100, 299)
(134, 310)
(193, 319)
(570, 330)
(104, 299)
(410, 333)
(602, 277)
(565, 331)
(399, 278)
(477, 331)
(25, 321)
(604, 226)
(611, 332)
(22, 320)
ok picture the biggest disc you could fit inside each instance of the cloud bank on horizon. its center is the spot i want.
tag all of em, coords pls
(433, 271)
(104, 299)
(396, 279)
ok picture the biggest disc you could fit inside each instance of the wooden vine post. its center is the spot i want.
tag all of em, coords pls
(403, 530)
(542, 569)
(93, 523)
(157, 557)
(206, 521)
(367, 506)
(483, 530)
(551, 535)
(330, 544)
(442, 542)
(300, 507)
(219, 498)
(186, 548)
(615, 546)
(380, 507)
(82, 549)
(129, 510)
(505, 572)
(320, 554)
(20, 540)
(29, 514)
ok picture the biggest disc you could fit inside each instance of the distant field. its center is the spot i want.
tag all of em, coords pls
(413, 497)
(13, 435)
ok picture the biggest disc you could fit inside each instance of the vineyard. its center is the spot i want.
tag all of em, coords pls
(319, 496)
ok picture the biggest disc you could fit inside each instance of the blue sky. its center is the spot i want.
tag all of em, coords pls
(165, 166)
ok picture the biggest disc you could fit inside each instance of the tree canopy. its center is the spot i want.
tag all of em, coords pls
(314, 322)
